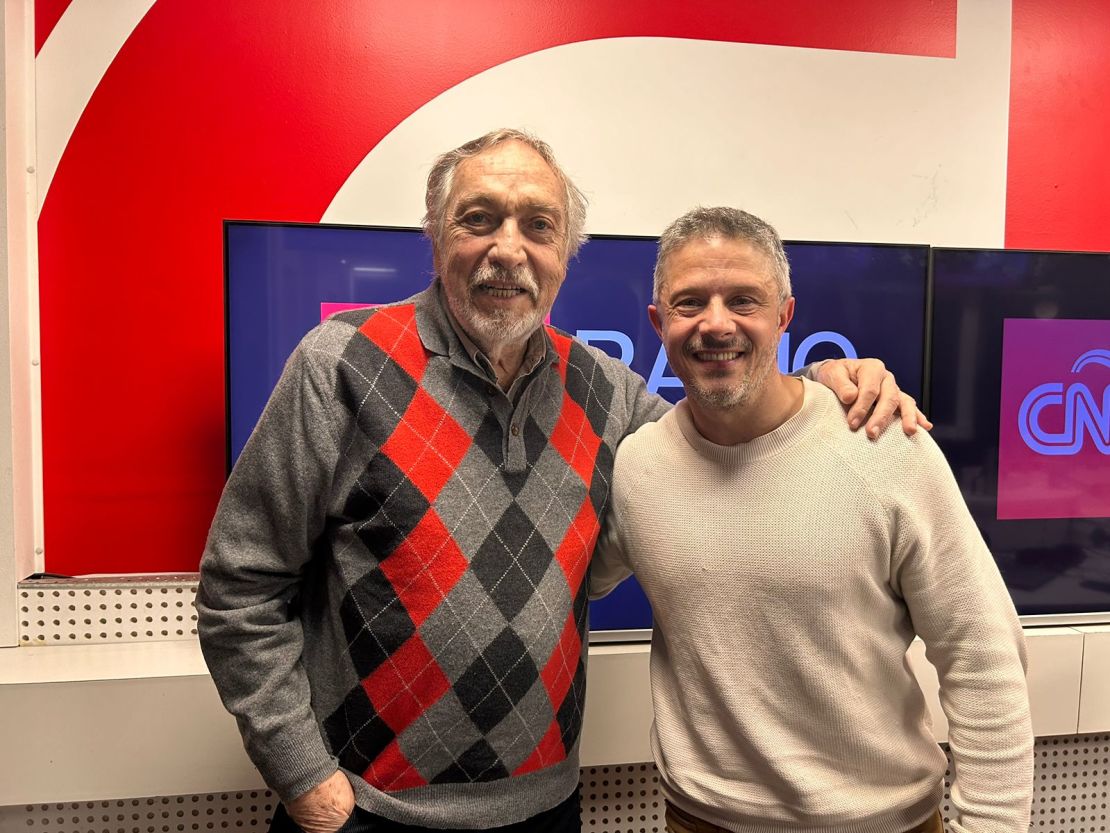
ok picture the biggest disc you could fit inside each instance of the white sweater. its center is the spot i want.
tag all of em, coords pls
(787, 577)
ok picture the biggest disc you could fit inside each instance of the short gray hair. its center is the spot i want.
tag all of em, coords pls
(728, 224)
(442, 175)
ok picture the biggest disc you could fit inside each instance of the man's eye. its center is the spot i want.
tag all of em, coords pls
(476, 218)
(687, 304)
(542, 224)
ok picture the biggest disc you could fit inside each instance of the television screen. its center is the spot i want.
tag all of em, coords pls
(1020, 395)
(853, 299)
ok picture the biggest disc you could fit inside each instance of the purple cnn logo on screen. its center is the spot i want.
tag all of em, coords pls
(1054, 431)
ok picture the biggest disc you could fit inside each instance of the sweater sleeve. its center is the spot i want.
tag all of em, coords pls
(961, 609)
(272, 510)
(609, 567)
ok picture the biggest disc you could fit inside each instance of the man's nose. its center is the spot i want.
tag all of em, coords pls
(716, 320)
(508, 245)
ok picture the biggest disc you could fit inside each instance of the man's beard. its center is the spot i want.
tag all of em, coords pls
(739, 393)
(497, 327)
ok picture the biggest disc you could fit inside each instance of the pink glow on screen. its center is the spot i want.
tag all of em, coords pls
(331, 308)
(1054, 431)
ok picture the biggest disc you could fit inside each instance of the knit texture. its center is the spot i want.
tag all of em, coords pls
(788, 577)
(395, 577)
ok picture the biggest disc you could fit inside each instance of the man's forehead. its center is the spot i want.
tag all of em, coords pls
(720, 258)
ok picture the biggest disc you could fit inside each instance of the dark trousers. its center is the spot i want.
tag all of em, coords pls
(563, 818)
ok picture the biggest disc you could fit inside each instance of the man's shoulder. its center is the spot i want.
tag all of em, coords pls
(889, 461)
(651, 443)
(578, 353)
(387, 325)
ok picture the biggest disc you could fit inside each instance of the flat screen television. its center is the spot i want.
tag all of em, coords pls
(1020, 395)
(281, 279)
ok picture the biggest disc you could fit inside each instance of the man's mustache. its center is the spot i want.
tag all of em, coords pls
(519, 277)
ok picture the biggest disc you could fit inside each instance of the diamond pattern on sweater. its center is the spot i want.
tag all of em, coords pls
(391, 770)
(514, 738)
(587, 385)
(393, 329)
(424, 567)
(496, 681)
(372, 388)
(573, 554)
(427, 444)
(391, 505)
(462, 627)
(548, 751)
(558, 674)
(569, 714)
(511, 561)
(375, 621)
(402, 688)
(574, 439)
(429, 741)
(357, 734)
(478, 763)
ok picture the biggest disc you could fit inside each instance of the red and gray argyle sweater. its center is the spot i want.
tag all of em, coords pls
(429, 538)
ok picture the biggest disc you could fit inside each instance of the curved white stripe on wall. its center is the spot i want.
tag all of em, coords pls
(827, 144)
(68, 68)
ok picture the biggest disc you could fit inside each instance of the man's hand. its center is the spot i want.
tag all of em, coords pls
(326, 807)
(867, 386)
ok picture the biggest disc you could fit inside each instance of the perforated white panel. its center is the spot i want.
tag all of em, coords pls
(118, 609)
(1071, 795)
(239, 811)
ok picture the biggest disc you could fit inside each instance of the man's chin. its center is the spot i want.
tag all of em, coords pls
(497, 330)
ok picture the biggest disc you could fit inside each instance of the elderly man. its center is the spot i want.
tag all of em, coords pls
(788, 589)
(393, 599)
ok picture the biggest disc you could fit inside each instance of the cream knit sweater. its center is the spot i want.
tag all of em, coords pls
(787, 577)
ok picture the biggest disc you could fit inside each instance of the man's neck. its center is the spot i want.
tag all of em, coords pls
(506, 360)
(779, 400)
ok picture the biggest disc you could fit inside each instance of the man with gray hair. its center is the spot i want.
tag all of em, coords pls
(782, 696)
(393, 596)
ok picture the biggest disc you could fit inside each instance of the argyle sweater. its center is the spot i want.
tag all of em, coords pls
(394, 581)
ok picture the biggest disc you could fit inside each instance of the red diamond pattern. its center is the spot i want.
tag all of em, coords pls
(558, 674)
(402, 688)
(424, 567)
(394, 330)
(549, 751)
(391, 771)
(577, 545)
(427, 444)
(575, 439)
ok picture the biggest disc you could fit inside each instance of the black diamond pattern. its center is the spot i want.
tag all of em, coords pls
(374, 620)
(587, 385)
(602, 479)
(487, 700)
(569, 715)
(478, 763)
(490, 438)
(390, 503)
(364, 365)
(356, 734)
(511, 561)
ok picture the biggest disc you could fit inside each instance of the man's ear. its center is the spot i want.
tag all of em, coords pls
(656, 321)
(786, 314)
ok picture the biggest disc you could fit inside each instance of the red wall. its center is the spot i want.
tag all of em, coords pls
(215, 109)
